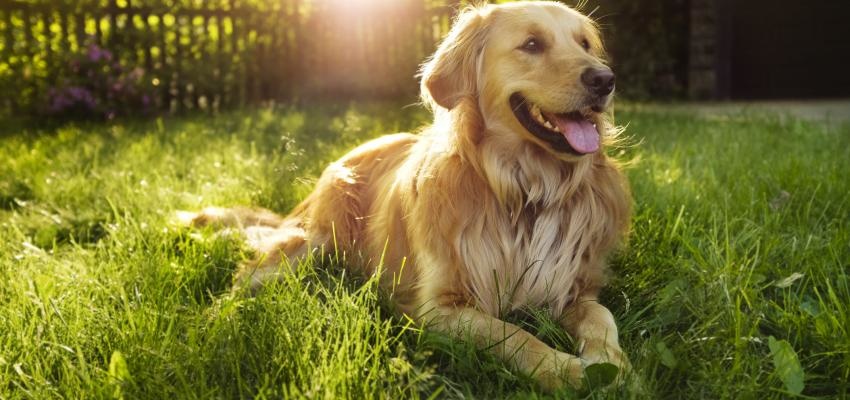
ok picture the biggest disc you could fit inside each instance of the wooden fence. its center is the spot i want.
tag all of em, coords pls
(224, 53)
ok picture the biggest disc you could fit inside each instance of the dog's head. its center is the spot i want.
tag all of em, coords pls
(535, 70)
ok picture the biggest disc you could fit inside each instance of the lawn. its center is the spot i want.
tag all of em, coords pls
(734, 283)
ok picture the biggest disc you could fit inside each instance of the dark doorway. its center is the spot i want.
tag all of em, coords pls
(789, 49)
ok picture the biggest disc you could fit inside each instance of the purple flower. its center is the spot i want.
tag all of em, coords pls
(63, 99)
(96, 53)
(97, 83)
(58, 102)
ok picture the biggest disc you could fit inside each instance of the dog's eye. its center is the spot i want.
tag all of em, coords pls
(532, 46)
(585, 45)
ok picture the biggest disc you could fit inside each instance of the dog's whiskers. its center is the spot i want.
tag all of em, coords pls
(522, 103)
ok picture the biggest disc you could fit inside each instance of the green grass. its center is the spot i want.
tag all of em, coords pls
(101, 297)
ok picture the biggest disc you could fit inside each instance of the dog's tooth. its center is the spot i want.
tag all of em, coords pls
(548, 125)
(535, 112)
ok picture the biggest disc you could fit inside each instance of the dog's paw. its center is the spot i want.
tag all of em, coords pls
(215, 217)
(185, 218)
(578, 376)
(599, 352)
(606, 365)
(198, 221)
(616, 378)
(559, 372)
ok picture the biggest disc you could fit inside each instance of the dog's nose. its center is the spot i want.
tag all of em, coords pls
(599, 81)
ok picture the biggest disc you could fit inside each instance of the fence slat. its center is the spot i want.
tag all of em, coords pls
(8, 34)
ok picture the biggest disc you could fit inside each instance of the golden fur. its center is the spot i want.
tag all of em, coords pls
(481, 214)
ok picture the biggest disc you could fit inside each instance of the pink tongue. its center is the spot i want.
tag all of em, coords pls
(581, 134)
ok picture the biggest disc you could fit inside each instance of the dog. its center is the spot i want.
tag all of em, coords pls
(508, 200)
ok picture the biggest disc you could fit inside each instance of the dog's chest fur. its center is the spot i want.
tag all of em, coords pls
(536, 251)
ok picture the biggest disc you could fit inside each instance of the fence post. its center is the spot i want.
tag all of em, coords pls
(280, 49)
(296, 68)
(48, 43)
(165, 73)
(248, 50)
(65, 30)
(9, 46)
(113, 23)
(148, 42)
(80, 30)
(190, 55)
(28, 36)
(220, 74)
(238, 84)
(178, 62)
(8, 51)
(130, 30)
(203, 48)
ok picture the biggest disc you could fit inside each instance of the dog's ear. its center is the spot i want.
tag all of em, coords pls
(452, 72)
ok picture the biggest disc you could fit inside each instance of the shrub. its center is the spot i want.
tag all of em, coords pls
(94, 83)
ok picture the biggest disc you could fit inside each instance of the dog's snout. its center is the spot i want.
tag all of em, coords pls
(599, 81)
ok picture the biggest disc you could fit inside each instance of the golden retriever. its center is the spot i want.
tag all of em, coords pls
(508, 200)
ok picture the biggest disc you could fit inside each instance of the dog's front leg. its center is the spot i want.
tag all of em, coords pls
(593, 326)
(551, 368)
